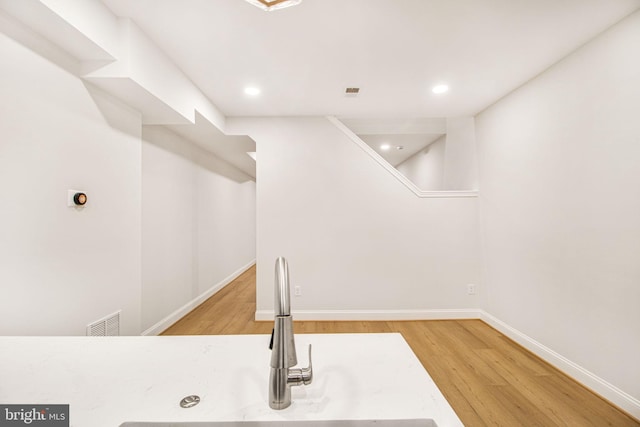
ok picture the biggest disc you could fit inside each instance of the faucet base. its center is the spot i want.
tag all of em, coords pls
(279, 392)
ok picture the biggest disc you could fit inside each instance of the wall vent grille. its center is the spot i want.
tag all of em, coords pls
(106, 327)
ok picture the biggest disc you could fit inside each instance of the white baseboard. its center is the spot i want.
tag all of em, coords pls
(373, 315)
(601, 387)
(165, 323)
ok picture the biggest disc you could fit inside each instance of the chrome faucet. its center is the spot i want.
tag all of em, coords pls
(283, 346)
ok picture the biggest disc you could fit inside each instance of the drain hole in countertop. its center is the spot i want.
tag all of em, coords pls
(190, 401)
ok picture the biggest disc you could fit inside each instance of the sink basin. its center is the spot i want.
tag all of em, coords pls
(292, 423)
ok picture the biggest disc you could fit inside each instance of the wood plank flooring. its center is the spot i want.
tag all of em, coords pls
(487, 378)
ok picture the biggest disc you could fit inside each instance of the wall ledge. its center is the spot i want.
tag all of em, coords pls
(393, 171)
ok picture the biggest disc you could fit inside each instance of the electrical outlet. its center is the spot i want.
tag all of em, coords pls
(297, 291)
(471, 289)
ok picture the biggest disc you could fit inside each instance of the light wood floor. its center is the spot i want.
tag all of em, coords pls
(488, 379)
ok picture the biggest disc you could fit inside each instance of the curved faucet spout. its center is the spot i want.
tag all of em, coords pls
(283, 347)
(282, 293)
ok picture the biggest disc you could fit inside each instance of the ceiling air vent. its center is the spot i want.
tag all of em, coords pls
(106, 327)
(352, 91)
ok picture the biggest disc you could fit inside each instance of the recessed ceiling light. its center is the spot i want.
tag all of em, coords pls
(252, 91)
(441, 88)
(385, 147)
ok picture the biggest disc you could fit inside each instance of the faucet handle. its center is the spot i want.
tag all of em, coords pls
(299, 376)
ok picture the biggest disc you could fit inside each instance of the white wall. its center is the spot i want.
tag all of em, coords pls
(166, 222)
(448, 164)
(460, 162)
(560, 207)
(356, 238)
(198, 223)
(426, 168)
(62, 268)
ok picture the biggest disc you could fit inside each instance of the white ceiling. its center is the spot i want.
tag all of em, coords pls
(302, 58)
(401, 148)
(413, 134)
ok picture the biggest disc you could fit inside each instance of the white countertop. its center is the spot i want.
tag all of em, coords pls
(111, 380)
